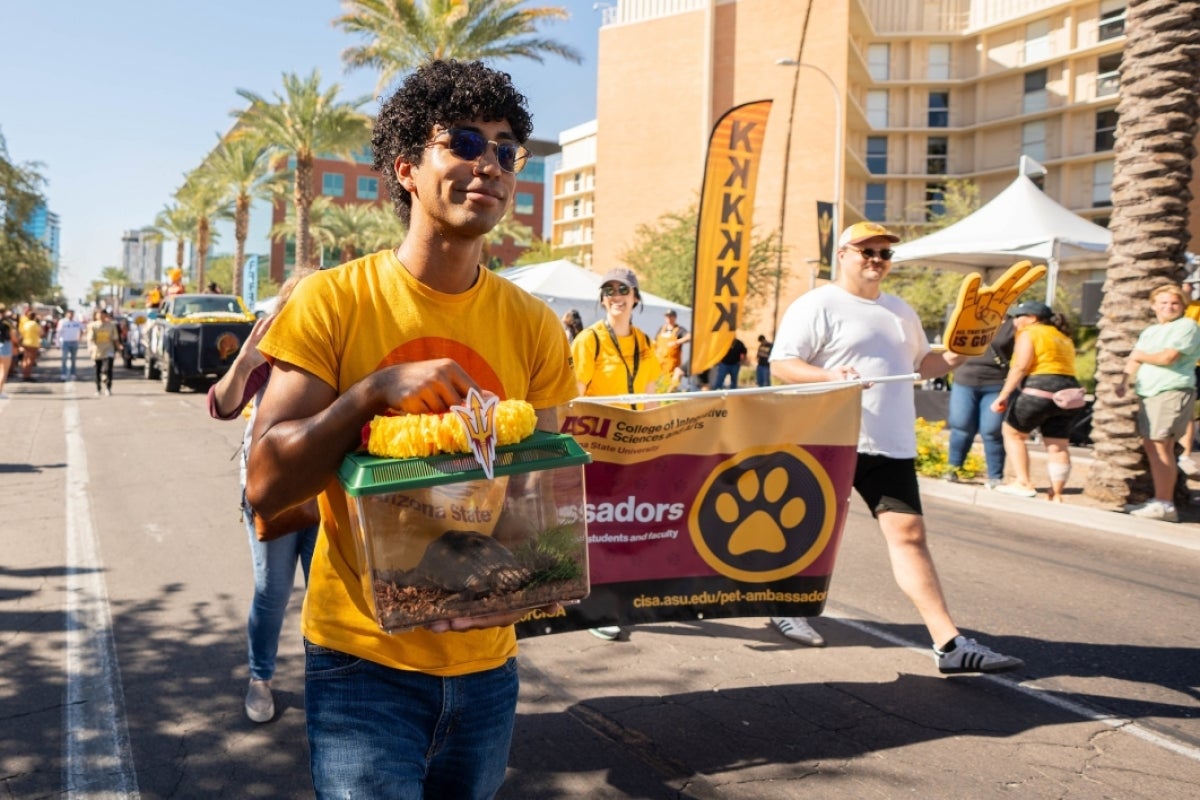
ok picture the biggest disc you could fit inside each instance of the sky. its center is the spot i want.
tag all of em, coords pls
(116, 100)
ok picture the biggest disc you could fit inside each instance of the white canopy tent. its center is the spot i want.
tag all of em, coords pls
(1021, 222)
(565, 285)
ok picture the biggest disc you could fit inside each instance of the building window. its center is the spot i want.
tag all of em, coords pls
(877, 108)
(1033, 140)
(935, 201)
(877, 152)
(1102, 176)
(936, 149)
(368, 188)
(1037, 41)
(576, 208)
(333, 184)
(577, 182)
(1106, 129)
(1035, 92)
(879, 61)
(524, 203)
(1108, 75)
(939, 61)
(875, 207)
(1112, 19)
(534, 171)
(939, 109)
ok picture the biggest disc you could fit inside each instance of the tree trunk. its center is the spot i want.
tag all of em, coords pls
(241, 227)
(1154, 148)
(180, 247)
(202, 237)
(303, 196)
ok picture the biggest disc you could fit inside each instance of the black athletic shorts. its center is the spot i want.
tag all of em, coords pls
(1026, 411)
(888, 484)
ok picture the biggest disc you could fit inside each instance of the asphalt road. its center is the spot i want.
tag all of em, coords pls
(124, 584)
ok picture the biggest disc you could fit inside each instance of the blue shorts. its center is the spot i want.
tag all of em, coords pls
(5, 349)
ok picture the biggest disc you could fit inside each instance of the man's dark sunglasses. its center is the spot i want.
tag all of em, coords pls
(870, 252)
(469, 145)
(619, 288)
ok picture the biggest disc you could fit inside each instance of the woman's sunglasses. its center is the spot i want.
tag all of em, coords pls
(870, 252)
(620, 288)
(469, 145)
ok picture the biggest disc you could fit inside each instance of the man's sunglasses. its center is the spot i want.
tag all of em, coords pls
(620, 288)
(469, 145)
(870, 252)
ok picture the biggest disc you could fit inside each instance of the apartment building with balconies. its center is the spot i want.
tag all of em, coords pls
(574, 194)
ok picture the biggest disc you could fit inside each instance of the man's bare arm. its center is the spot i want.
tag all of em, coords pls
(797, 370)
(304, 428)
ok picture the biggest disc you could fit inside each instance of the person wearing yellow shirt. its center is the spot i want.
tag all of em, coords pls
(1043, 362)
(668, 346)
(427, 712)
(30, 331)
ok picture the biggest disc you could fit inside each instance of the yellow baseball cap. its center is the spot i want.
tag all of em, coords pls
(861, 231)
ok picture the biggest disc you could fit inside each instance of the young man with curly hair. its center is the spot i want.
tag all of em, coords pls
(429, 712)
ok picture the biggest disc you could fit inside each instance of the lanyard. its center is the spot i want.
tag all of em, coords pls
(636, 354)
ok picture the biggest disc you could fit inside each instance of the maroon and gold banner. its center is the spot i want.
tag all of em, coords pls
(711, 507)
(723, 232)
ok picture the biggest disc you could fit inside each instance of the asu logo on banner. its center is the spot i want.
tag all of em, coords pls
(712, 506)
(723, 232)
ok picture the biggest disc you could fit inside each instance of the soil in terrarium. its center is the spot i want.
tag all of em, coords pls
(463, 573)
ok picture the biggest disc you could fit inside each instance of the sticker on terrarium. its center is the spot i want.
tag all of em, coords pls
(478, 415)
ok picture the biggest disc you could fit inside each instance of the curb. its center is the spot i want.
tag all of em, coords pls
(1171, 533)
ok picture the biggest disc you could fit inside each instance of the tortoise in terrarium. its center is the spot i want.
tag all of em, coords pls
(470, 565)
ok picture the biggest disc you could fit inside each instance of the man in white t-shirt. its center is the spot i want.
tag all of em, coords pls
(852, 330)
(69, 330)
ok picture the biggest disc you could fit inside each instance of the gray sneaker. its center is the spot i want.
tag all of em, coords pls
(260, 704)
(968, 655)
(798, 630)
(1154, 509)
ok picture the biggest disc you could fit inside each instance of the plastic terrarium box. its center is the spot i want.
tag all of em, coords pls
(440, 540)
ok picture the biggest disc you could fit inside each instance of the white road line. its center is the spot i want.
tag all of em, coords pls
(1083, 710)
(97, 758)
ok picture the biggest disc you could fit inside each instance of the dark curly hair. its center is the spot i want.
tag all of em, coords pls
(441, 93)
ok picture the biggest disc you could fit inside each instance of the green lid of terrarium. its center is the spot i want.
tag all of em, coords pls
(362, 473)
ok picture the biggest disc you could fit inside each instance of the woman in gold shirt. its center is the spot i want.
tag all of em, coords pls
(1043, 362)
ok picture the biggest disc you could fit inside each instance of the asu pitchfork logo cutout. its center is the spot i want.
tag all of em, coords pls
(478, 415)
(764, 514)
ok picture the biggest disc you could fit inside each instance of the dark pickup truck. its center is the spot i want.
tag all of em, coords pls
(195, 337)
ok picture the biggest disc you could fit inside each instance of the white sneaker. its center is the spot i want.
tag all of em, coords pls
(1016, 490)
(107, 392)
(260, 704)
(1154, 509)
(798, 630)
(609, 633)
(1189, 467)
(4, 395)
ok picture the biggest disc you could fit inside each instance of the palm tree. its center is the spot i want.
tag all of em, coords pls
(175, 222)
(348, 228)
(206, 203)
(239, 169)
(116, 280)
(1158, 108)
(304, 121)
(509, 228)
(384, 229)
(403, 34)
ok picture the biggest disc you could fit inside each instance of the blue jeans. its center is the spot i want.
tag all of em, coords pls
(378, 732)
(727, 369)
(762, 375)
(971, 413)
(70, 352)
(274, 575)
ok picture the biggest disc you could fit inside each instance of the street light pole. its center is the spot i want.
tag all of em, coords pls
(838, 157)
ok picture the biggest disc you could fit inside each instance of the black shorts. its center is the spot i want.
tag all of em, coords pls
(1026, 411)
(888, 484)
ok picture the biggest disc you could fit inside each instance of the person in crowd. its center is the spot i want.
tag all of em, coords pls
(30, 332)
(102, 338)
(8, 346)
(1191, 290)
(731, 364)
(427, 712)
(976, 385)
(212, 288)
(572, 323)
(852, 330)
(1043, 362)
(668, 346)
(70, 331)
(762, 361)
(1162, 365)
(614, 357)
(175, 276)
(242, 387)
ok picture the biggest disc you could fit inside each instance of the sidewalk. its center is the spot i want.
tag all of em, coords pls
(1079, 509)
